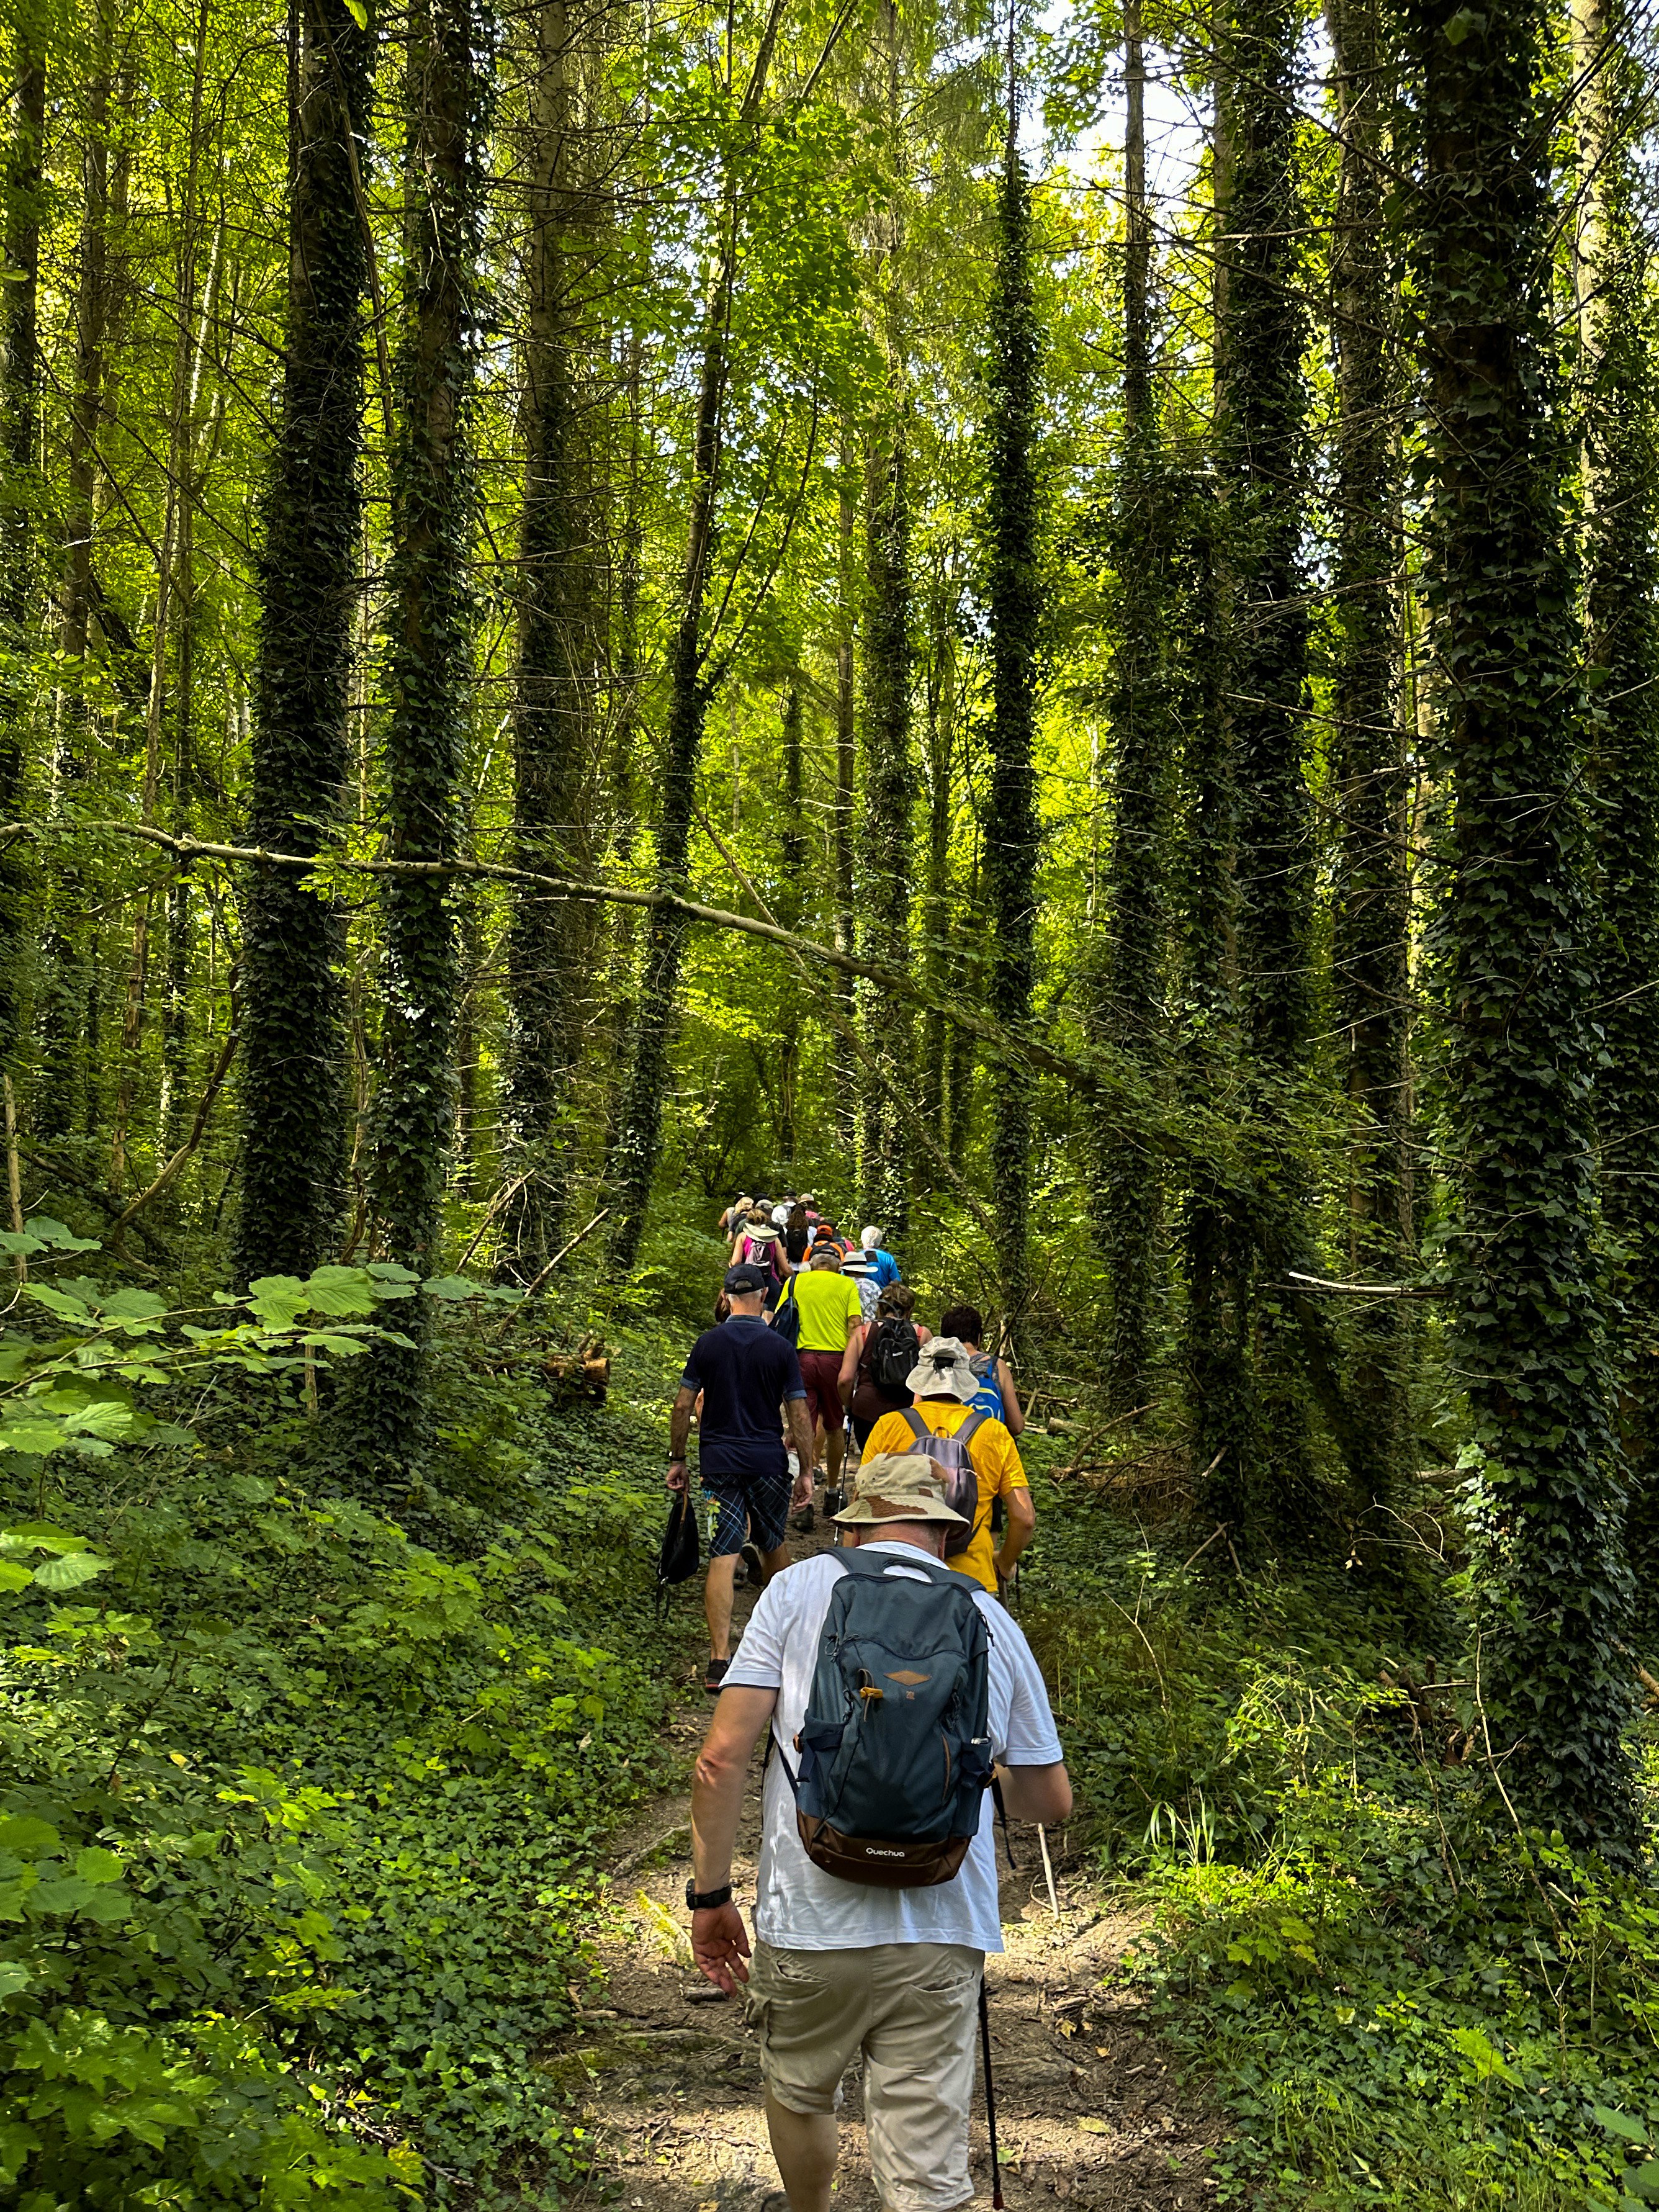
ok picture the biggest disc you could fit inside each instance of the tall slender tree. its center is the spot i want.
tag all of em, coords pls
(1012, 830)
(294, 1090)
(634, 1156)
(430, 666)
(1372, 917)
(1620, 413)
(1260, 410)
(61, 1013)
(792, 857)
(888, 791)
(1127, 970)
(846, 1113)
(1514, 939)
(20, 405)
(556, 680)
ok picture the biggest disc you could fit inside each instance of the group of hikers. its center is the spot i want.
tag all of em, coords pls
(897, 1692)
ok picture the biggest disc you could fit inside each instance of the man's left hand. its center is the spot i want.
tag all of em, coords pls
(719, 1945)
(803, 1491)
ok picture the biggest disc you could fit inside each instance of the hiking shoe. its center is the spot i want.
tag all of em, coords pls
(715, 1676)
(752, 1559)
(802, 1521)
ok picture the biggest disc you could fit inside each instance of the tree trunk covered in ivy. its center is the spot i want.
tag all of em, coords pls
(294, 1090)
(20, 402)
(1012, 832)
(1621, 465)
(846, 1098)
(888, 784)
(558, 673)
(791, 859)
(1220, 1393)
(1218, 1381)
(1262, 453)
(429, 671)
(1126, 1000)
(940, 696)
(1515, 939)
(1372, 914)
(628, 674)
(634, 1156)
(64, 1044)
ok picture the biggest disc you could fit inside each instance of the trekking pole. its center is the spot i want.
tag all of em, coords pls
(990, 2095)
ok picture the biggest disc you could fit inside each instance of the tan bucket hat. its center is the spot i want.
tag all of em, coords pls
(897, 1486)
(944, 1370)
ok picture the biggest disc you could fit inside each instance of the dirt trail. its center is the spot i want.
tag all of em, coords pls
(670, 2082)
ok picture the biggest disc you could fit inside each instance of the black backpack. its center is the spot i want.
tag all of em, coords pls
(893, 1353)
(786, 1320)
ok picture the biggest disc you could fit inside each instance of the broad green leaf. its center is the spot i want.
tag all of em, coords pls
(342, 1291)
(41, 1536)
(131, 1305)
(14, 1577)
(14, 1976)
(97, 1866)
(1618, 2124)
(13, 1241)
(102, 1417)
(66, 1894)
(358, 13)
(23, 1833)
(61, 1302)
(279, 1300)
(26, 1432)
(453, 1288)
(70, 1573)
(57, 1235)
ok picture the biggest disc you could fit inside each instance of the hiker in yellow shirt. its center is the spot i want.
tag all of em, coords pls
(829, 1312)
(942, 1382)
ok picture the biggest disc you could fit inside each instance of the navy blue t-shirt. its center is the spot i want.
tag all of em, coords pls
(744, 1370)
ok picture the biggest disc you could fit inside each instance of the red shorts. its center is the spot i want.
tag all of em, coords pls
(820, 1371)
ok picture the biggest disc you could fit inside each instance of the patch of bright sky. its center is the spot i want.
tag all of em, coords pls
(1177, 118)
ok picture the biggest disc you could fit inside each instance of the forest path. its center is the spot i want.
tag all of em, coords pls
(669, 2075)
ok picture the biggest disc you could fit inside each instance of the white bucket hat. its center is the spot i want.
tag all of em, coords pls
(944, 1371)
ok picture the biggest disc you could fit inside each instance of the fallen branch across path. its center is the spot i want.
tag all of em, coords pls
(1367, 1290)
(1096, 1076)
(1212, 1146)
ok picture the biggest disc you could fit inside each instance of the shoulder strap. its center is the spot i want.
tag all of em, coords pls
(970, 1427)
(919, 1427)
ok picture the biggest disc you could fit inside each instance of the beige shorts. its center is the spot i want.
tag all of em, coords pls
(911, 2009)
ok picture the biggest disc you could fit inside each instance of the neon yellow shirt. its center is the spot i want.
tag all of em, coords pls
(827, 1301)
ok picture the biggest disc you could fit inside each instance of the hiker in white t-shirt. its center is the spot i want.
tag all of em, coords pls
(840, 1968)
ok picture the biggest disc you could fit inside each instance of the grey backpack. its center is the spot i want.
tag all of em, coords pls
(895, 1750)
(949, 1455)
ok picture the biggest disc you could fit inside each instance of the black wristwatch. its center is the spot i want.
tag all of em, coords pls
(705, 1901)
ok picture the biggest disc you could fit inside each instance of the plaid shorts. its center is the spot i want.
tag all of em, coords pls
(747, 1507)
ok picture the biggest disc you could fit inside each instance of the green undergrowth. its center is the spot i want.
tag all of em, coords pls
(297, 1815)
(1397, 1999)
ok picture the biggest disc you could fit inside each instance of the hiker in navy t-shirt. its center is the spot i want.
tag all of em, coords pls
(745, 1372)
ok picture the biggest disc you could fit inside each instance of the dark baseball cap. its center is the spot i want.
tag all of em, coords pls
(743, 1280)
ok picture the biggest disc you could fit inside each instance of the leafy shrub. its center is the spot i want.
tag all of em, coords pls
(296, 1811)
